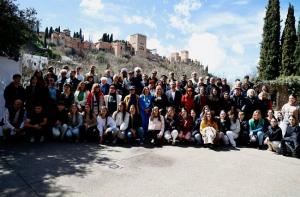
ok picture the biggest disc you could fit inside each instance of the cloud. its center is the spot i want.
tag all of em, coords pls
(206, 48)
(238, 48)
(240, 2)
(91, 7)
(95, 34)
(164, 50)
(135, 19)
(170, 36)
(185, 7)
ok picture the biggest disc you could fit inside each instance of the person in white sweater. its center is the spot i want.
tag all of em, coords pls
(156, 127)
(121, 117)
(105, 124)
(234, 130)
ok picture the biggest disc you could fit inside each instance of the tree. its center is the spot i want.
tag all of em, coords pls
(80, 34)
(45, 37)
(38, 27)
(111, 39)
(17, 27)
(269, 64)
(50, 32)
(289, 39)
(297, 52)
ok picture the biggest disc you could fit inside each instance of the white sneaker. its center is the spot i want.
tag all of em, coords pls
(31, 139)
(42, 139)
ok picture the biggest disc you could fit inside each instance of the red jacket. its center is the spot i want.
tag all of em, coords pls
(188, 103)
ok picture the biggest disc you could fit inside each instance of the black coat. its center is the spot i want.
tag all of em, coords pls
(274, 134)
(176, 102)
(11, 93)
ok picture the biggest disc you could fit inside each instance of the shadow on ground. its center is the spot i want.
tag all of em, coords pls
(30, 169)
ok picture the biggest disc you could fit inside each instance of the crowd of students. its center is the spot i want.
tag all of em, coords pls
(132, 107)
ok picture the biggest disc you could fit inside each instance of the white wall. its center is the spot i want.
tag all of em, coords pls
(8, 68)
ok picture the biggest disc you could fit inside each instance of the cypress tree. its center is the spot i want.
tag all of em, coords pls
(289, 44)
(45, 37)
(269, 63)
(297, 52)
(50, 32)
(111, 39)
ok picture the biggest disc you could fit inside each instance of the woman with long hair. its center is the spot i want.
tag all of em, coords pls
(67, 96)
(95, 99)
(75, 123)
(90, 124)
(80, 95)
(273, 136)
(290, 142)
(187, 100)
(208, 128)
(160, 100)
(135, 129)
(105, 124)
(156, 127)
(185, 125)
(256, 127)
(234, 128)
(121, 117)
(195, 128)
(171, 126)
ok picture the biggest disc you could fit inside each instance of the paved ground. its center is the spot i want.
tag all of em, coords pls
(55, 169)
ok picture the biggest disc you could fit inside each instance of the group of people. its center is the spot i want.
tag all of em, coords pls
(132, 107)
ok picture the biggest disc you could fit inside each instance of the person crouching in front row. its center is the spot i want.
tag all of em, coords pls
(156, 127)
(75, 123)
(208, 128)
(273, 136)
(106, 125)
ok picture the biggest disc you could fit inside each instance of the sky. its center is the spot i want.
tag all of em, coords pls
(223, 34)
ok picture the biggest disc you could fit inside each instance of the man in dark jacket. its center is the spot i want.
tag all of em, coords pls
(174, 97)
(14, 91)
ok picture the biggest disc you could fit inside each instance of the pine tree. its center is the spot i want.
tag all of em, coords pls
(297, 52)
(289, 38)
(58, 29)
(45, 37)
(80, 34)
(270, 47)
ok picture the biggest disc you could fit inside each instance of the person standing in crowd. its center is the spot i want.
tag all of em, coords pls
(34, 94)
(174, 97)
(237, 99)
(40, 79)
(14, 91)
(53, 94)
(36, 124)
(153, 77)
(211, 85)
(145, 105)
(132, 99)
(187, 100)
(89, 82)
(160, 100)
(60, 121)
(67, 96)
(14, 120)
(185, 126)
(273, 136)
(89, 131)
(145, 81)
(79, 74)
(264, 103)
(80, 96)
(281, 123)
(224, 87)
(106, 125)
(291, 140)
(194, 78)
(226, 103)
(171, 126)
(73, 81)
(108, 75)
(200, 100)
(92, 73)
(208, 128)
(104, 86)
(247, 80)
(251, 103)
(214, 101)
(135, 129)
(118, 85)
(183, 81)
(75, 123)
(171, 77)
(180, 88)
(51, 73)
(112, 100)
(95, 99)
(62, 79)
(256, 128)
(156, 127)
